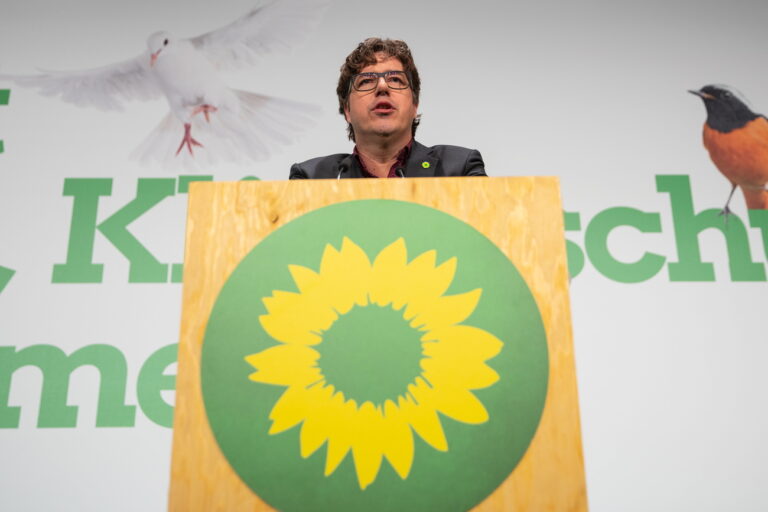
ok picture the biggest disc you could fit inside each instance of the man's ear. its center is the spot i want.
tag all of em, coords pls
(346, 112)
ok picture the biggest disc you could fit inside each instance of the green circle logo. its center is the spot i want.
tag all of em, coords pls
(374, 355)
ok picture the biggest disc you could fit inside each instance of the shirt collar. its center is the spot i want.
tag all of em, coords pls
(400, 161)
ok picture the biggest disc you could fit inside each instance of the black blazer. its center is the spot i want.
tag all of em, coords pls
(422, 162)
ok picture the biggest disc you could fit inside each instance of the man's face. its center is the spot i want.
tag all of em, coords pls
(382, 111)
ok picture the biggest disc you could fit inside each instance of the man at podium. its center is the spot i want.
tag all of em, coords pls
(378, 96)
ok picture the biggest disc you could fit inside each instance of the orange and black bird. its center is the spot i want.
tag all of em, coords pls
(737, 141)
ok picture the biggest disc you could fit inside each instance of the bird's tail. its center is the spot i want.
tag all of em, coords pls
(756, 199)
(161, 144)
(253, 131)
(264, 123)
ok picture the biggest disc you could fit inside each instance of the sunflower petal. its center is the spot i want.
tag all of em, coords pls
(466, 374)
(367, 451)
(388, 278)
(285, 365)
(398, 443)
(424, 263)
(461, 342)
(420, 288)
(456, 403)
(291, 408)
(346, 275)
(319, 421)
(344, 433)
(443, 311)
(424, 420)
(305, 278)
(442, 276)
(292, 318)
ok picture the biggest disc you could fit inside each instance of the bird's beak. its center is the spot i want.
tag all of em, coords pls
(153, 57)
(702, 95)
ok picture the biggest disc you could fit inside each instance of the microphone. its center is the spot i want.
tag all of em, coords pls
(343, 167)
(400, 172)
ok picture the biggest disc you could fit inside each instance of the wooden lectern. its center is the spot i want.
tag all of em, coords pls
(376, 345)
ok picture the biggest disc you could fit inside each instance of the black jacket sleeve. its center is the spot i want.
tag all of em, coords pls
(297, 173)
(474, 166)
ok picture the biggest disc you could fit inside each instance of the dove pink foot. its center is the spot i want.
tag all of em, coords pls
(188, 140)
(205, 109)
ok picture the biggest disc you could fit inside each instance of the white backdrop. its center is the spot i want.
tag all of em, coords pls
(671, 377)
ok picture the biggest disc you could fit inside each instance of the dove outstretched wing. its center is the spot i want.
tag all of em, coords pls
(106, 88)
(274, 25)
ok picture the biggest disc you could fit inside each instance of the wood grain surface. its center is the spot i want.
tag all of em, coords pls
(522, 216)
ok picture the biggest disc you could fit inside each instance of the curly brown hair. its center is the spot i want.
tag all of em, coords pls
(365, 55)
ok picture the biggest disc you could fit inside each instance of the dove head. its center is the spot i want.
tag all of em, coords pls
(157, 43)
(726, 109)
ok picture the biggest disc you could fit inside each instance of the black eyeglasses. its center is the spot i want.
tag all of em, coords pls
(368, 81)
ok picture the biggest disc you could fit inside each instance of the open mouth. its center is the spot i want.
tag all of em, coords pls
(383, 107)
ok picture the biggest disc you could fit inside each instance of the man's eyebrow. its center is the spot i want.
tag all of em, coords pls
(379, 72)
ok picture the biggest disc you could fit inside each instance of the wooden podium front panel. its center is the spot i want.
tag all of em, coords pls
(520, 216)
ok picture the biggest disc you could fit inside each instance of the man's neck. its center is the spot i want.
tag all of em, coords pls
(379, 155)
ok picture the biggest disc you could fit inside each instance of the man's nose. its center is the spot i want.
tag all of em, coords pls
(381, 86)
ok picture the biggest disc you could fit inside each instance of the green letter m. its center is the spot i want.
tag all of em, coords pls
(56, 368)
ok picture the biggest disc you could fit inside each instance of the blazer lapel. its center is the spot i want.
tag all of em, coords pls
(421, 163)
(349, 168)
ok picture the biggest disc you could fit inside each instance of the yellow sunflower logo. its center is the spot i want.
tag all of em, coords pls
(370, 353)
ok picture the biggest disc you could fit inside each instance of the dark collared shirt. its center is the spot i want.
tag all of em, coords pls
(402, 158)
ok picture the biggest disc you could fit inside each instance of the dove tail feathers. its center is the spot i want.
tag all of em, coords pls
(158, 146)
(266, 122)
(250, 129)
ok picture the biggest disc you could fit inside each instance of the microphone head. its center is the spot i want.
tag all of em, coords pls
(400, 172)
(343, 167)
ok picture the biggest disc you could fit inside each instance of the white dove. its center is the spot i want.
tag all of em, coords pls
(228, 124)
